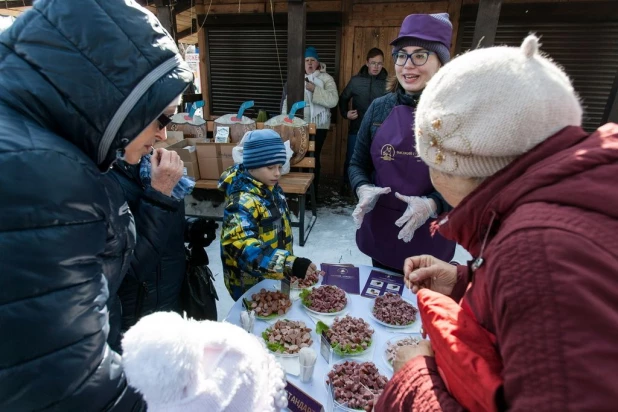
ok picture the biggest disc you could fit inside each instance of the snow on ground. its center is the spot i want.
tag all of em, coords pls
(332, 240)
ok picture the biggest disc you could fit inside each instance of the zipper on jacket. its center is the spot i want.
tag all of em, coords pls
(142, 294)
(157, 286)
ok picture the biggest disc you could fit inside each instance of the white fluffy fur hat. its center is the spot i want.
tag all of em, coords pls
(489, 106)
(185, 365)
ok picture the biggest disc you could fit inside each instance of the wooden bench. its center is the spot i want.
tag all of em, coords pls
(296, 184)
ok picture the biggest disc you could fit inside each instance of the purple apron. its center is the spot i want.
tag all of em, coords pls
(396, 166)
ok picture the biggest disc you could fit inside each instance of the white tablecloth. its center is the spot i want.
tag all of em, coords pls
(358, 306)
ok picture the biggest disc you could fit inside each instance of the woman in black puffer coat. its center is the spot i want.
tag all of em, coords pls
(81, 82)
(155, 277)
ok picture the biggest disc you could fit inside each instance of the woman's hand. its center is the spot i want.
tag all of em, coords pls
(309, 85)
(407, 353)
(426, 271)
(166, 171)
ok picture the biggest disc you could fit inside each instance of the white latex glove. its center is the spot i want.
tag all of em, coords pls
(367, 198)
(418, 211)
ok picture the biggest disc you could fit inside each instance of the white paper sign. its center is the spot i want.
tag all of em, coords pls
(223, 132)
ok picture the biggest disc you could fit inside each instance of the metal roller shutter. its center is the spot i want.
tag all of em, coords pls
(588, 51)
(243, 65)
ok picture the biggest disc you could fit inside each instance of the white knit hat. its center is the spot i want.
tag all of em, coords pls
(489, 106)
(185, 365)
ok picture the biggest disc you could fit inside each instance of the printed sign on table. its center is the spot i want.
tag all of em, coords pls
(380, 283)
(299, 401)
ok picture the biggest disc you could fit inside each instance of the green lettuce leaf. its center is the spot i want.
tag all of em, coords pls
(273, 346)
(321, 327)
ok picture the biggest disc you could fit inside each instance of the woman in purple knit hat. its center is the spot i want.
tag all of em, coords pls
(396, 197)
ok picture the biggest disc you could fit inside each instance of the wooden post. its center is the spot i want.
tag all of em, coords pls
(486, 23)
(611, 109)
(297, 24)
(166, 16)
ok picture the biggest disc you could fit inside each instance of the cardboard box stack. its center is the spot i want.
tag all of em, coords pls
(187, 151)
(214, 158)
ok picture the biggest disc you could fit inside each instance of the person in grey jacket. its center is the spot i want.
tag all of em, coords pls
(83, 84)
(362, 89)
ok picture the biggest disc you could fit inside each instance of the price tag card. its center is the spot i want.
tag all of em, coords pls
(285, 286)
(223, 132)
(325, 349)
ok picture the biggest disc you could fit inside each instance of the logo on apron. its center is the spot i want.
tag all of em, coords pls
(387, 152)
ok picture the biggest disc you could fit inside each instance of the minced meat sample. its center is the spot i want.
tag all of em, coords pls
(391, 350)
(393, 310)
(356, 385)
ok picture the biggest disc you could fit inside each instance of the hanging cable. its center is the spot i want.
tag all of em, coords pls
(272, 17)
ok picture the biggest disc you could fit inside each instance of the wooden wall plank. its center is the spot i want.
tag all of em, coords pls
(201, 41)
(391, 10)
(454, 11)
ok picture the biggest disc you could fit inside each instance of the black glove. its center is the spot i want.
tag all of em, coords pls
(200, 232)
(300, 266)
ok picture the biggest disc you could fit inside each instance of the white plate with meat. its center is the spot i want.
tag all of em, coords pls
(269, 304)
(393, 311)
(393, 344)
(350, 336)
(324, 300)
(307, 282)
(286, 337)
(355, 386)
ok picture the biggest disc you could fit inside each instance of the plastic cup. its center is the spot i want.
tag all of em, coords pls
(306, 372)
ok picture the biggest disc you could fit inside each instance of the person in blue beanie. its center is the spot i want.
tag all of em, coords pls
(256, 239)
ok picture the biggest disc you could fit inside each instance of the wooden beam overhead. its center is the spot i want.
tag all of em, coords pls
(297, 26)
(11, 4)
(182, 6)
(486, 23)
(187, 32)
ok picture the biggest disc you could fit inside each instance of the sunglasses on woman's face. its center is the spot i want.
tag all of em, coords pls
(164, 120)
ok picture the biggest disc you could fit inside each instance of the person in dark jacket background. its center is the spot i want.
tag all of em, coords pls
(362, 89)
(158, 266)
(396, 197)
(74, 97)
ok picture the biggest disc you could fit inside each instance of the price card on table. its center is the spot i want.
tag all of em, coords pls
(285, 286)
(325, 348)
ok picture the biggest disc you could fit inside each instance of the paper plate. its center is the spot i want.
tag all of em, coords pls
(388, 325)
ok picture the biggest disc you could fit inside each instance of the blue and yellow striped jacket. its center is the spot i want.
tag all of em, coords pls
(256, 239)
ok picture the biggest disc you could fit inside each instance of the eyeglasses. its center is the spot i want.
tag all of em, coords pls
(164, 120)
(376, 64)
(418, 58)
